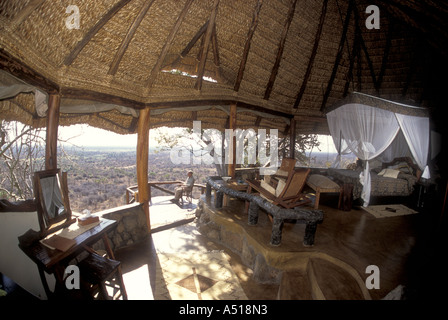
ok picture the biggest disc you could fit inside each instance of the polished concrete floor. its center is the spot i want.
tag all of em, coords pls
(401, 247)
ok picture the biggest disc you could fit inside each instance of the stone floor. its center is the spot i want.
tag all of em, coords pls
(175, 231)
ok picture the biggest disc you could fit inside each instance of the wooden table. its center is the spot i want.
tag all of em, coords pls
(55, 261)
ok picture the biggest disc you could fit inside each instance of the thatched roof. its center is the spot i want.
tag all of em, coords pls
(277, 59)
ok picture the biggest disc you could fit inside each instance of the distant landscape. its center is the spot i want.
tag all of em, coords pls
(98, 177)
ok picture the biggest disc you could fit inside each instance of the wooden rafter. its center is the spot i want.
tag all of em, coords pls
(215, 49)
(363, 46)
(26, 12)
(313, 54)
(190, 44)
(156, 69)
(27, 74)
(93, 31)
(338, 55)
(129, 35)
(280, 49)
(207, 40)
(385, 57)
(250, 33)
(354, 55)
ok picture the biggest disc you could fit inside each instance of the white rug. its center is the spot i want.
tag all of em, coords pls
(196, 276)
(390, 210)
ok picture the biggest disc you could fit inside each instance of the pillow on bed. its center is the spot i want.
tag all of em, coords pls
(403, 167)
(389, 173)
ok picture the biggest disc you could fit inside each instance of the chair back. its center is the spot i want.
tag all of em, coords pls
(295, 183)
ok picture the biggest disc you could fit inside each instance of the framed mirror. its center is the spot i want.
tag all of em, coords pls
(51, 194)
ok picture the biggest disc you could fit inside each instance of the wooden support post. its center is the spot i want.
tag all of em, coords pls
(232, 125)
(292, 138)
(142, 162)
(51, 142)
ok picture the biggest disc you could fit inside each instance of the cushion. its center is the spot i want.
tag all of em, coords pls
(267, 186)
(281, 172)
(322, 182)
(280, 186)
(389, 173)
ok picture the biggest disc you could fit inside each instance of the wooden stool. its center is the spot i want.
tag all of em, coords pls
(98, 272)
(322, 184)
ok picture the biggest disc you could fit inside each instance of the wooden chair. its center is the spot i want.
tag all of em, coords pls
(286, 168)
(288, 194)
(98, 273)
(187, 192)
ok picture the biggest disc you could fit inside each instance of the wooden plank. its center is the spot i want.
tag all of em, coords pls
(250, 34)
(207, 40)
(93, 31)
(338, 55)
(155, 70)
(313, 54)
(129, 35)
(281, 47)
(142, 162)
(51, 140)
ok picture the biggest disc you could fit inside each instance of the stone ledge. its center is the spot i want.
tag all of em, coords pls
(131, 226)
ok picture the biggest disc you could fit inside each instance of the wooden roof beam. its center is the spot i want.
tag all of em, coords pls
(354, 55)
(93, 31)
(363, 46)
(156, 69)
(250, 33)
(25, 12)
(129, 35)
(338, 56)
(385, 57)
(27, 74)
(190, 45)
(313, 54)
(207, 40)
(280, 49)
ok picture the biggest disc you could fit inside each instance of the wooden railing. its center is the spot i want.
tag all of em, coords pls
(132, 191)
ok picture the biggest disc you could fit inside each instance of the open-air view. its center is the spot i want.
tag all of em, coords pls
(206, 150)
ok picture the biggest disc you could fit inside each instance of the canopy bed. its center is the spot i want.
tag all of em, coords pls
(385, 132)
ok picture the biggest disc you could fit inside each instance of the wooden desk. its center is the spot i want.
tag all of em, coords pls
(55, 261)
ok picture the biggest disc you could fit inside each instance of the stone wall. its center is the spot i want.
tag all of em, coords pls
(131, 226)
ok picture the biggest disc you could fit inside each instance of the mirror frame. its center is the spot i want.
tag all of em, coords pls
(46, 222)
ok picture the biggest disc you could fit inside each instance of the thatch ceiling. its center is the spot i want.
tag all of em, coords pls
(277, 60)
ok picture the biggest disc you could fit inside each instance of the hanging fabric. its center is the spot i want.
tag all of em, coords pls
(368, 126)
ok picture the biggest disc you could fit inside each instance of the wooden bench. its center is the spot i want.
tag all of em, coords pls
(322, 184)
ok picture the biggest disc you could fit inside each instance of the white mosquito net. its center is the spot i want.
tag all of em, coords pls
(372, 128)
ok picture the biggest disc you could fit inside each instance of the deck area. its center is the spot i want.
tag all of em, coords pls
(334, 268)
